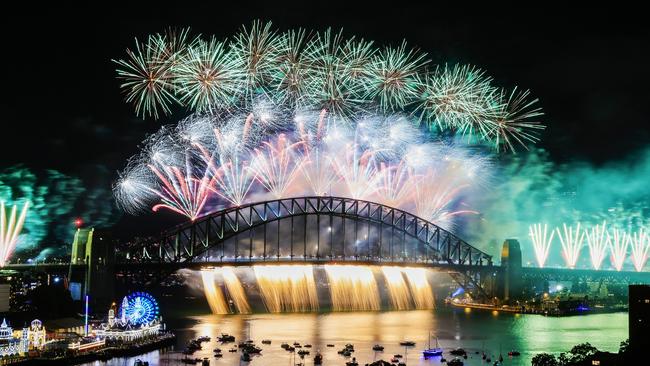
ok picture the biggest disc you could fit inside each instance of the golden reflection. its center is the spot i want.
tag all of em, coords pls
(236, 290)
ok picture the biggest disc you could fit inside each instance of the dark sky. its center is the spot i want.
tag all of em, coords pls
(61, 107)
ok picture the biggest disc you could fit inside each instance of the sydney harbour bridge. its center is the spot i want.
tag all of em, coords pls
(313, 230)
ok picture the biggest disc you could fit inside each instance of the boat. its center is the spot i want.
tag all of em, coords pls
(318, 359)
(330, 345)
(407, 343)
(217, 350)
(378, 348)
(203, 339)
(514, 353)
(307, 345)
(284, 345)
(397, 355)
(352, 363)
(458, 352)
(266, 341)
(205, 362)
(225, 338)
(296, 344)
(432, 352)
(303, 352)
(232, 350)
(455, 362)
(394, 360)
(349, 346)
(245, 357)
(218, 355)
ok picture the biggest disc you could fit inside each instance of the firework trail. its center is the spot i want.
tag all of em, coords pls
(358, 171)
(640, 246)
(395, 185)
(571, 243)
(541, 242)
(277, 165)
(619, 243)
(598, 241)
(9, 230)
(349, 77)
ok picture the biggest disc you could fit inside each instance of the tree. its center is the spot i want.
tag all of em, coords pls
(581, 352)
(625, 347)
(544, 359)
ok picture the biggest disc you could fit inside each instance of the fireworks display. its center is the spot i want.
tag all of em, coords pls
(215, 161)
(571, 241)
(9, 229)
(598, 241)
(640, 248)
(347, 77)
(541, 242)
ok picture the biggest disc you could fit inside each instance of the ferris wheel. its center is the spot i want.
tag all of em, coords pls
(139, 308)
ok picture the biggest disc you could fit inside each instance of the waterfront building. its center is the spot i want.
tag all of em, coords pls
(20, 343)
(137, 320)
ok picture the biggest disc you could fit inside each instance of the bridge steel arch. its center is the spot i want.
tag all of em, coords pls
(323, 230)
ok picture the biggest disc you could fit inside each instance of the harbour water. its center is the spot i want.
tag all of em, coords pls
(470, 329)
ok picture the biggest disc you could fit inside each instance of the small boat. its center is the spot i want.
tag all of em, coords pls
(432, 352)
(394, 360)
(458, 352)
(284, 345)
(225, 338)
(407, 343)
(266, 341)
(203, 339)
(291, 349)
(218, 355)
(455, 362)
(232, 350)
(397, 355)
(350, 346)
(378, 348)
(245, 357)
(296, 344)
(330, 345)
(303, 352)
(307, 345)
(217, 350)
(352, 363)
(205, 362)
(514, 353)
(318, 359)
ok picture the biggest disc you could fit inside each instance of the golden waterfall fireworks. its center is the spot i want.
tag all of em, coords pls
(213, 293)
(236, 290)
(397, 289)
(421, 291)
(619, 244)
(353, 288)
(287, 287)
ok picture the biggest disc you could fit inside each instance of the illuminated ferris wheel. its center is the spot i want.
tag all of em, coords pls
(139, 308)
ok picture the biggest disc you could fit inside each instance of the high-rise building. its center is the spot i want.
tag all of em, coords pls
(639, 318)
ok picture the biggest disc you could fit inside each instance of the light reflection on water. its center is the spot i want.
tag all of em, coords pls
(474, 331)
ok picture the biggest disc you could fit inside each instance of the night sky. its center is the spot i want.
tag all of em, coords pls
(61, 107)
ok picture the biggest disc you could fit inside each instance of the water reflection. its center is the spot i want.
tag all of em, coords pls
(474, 331)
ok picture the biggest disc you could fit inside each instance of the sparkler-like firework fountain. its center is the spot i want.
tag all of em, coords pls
(9, 229)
